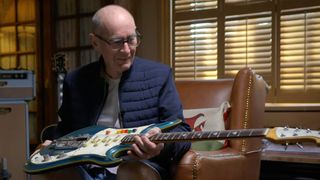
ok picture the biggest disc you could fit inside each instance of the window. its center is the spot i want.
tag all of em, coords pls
(277, 39)
(18, 35)
(72, 28)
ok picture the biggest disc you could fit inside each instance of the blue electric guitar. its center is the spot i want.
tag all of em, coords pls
(105, 146)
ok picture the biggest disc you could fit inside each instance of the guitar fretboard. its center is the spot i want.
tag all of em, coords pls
(204, 135)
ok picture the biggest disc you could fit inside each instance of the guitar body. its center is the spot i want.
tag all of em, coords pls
(93, 145)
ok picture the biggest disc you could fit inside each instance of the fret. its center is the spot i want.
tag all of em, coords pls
(215, 133)
(207, 134)
(223, 134)
(184, 136)
(235, 133)
(190, 136)
(197, 135)
(218, 134)
(165, 137)
(210, 133)
(228, 134)
(245, 133)
(178, 135)
(130, 138)
(174, 136)
(201, 135)
(251, 132)
(162, 136)
(155, 137)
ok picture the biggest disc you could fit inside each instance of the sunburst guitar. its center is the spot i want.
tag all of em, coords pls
(106, 146)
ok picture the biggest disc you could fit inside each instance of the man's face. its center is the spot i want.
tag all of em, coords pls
(117, 48)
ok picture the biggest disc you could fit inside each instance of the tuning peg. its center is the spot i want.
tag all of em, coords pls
(308, 131)
(299, 145)
(286, 146)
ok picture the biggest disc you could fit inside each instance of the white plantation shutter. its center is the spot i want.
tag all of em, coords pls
(194, 5)
(279, 40)
(248, 43)
(195, 50)
(195, 40)
(300, 52)
(241, 2)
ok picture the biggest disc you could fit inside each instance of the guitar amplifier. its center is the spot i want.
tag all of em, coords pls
(14, 139)
(17, 85)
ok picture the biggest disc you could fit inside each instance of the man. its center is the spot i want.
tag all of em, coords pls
(121, 90)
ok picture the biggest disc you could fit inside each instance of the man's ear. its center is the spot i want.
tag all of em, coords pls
(94, 43)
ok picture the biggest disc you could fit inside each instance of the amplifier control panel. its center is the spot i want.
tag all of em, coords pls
(17, 85)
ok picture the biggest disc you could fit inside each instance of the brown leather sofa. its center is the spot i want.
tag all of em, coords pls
(241, 159)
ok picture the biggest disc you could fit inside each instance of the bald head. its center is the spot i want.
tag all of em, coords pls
(111, 18)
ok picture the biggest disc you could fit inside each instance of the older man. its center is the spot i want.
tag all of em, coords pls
(122, 90)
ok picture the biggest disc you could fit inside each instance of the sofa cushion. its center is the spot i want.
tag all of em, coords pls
(207, 119)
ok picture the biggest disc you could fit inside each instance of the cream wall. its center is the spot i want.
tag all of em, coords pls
(150, 16)
(149, 25)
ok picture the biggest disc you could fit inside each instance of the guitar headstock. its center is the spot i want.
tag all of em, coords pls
(293, 135)
(59, 60)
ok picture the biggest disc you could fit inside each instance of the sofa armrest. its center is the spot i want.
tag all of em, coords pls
(248, 97)
(225, 164)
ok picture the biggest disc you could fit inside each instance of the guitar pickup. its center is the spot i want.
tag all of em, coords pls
(67, 145)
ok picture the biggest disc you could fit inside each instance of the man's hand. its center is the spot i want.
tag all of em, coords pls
(143, 148)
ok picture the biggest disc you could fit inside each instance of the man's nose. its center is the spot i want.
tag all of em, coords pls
(125, 47)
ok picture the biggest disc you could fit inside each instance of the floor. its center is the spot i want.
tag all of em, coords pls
(289, 171)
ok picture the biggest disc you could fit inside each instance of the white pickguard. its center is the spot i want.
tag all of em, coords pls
(98, 144)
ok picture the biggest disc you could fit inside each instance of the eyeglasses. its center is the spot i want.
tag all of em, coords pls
(117, 43)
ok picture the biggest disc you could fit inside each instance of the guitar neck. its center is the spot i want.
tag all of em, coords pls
(277, 134)
(204, 135)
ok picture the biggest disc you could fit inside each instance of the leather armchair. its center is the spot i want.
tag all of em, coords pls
(241, 159)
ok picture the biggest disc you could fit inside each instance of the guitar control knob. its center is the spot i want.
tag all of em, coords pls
(46, 158)
(61, 155)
